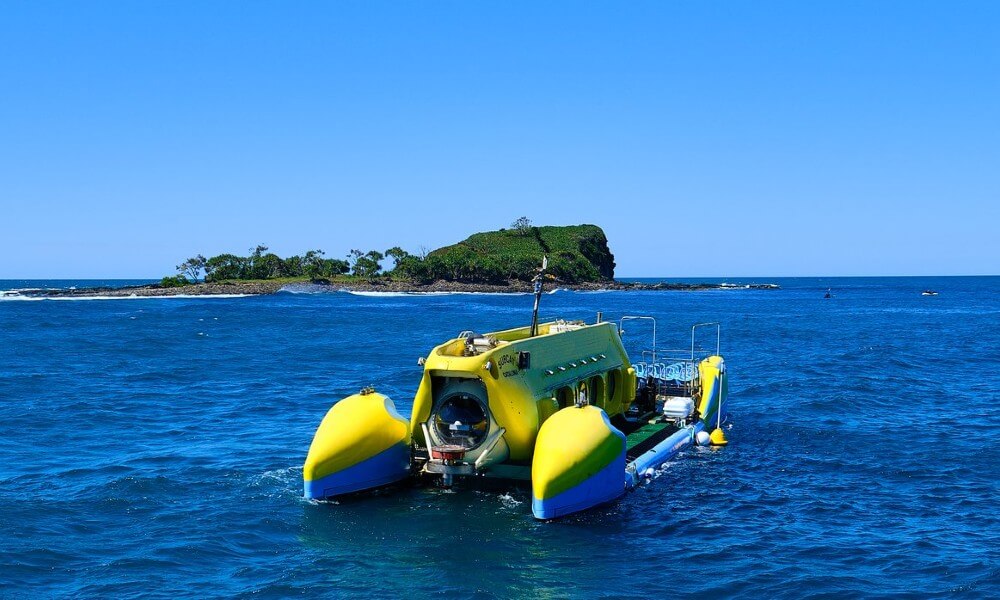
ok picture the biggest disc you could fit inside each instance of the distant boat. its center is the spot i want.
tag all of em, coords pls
(828, 294)
(928, 293)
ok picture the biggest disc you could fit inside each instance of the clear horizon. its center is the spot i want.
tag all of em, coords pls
(855, 139)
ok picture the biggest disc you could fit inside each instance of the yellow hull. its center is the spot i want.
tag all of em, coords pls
(527, 379)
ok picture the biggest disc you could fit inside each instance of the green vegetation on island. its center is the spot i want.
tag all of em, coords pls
(493, 261)
(577, 254)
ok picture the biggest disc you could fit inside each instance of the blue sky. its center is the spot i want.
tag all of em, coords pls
(708, 138)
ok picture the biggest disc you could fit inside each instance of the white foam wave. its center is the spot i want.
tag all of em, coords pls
(304, 288)
(509, 501)
(18, 297)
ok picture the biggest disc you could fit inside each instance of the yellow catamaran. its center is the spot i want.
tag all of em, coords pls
(558, 404)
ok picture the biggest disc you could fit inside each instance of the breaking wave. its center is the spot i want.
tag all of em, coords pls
(9, 297)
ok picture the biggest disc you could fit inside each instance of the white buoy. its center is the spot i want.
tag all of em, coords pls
(648, 473)
(703, 438)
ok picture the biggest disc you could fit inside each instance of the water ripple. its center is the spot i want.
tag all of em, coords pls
(141, 458)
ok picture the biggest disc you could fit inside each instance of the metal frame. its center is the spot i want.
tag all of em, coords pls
(621, 329)
(692, 355)
(718, 336)
(692, 352)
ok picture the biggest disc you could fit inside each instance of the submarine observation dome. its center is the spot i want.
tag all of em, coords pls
(462, 419)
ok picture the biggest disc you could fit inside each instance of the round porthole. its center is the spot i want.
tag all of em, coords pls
(461, 420)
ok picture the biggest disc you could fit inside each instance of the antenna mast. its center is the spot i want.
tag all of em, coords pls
(539, 277)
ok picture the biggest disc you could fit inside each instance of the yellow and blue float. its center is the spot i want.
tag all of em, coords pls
(345, 457)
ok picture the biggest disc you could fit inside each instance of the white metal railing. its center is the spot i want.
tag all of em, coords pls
(718, 336)
(673, 368)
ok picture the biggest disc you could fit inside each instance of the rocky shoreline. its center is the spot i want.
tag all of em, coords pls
(258, 288)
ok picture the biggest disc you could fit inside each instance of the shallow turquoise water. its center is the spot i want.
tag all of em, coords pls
(153, 447)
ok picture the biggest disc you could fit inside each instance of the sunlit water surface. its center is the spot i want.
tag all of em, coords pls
(153, 447)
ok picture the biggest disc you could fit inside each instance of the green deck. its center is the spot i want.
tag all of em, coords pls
(642, 434)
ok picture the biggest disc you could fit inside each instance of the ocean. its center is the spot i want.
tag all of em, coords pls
(153, 448)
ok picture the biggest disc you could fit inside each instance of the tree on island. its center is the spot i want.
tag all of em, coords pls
(365, 264)
(192, 267)
(397, 255)
(225, 266)
(522, 225)
(408, 266)
(312, 264)
(316, 267)
(263, 264)
(267, 266)
(292, 266)
(175, 281)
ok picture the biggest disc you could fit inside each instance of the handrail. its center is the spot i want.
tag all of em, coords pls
(675, 354)
(718, 336)
(621, 328)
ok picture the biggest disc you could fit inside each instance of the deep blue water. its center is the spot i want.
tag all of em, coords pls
(153, 447)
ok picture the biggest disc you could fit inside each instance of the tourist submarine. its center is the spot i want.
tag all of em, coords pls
(556, 404)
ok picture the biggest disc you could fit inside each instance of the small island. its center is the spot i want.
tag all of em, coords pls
(506, 260)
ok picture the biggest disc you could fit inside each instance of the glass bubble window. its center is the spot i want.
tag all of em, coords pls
(461, 420)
